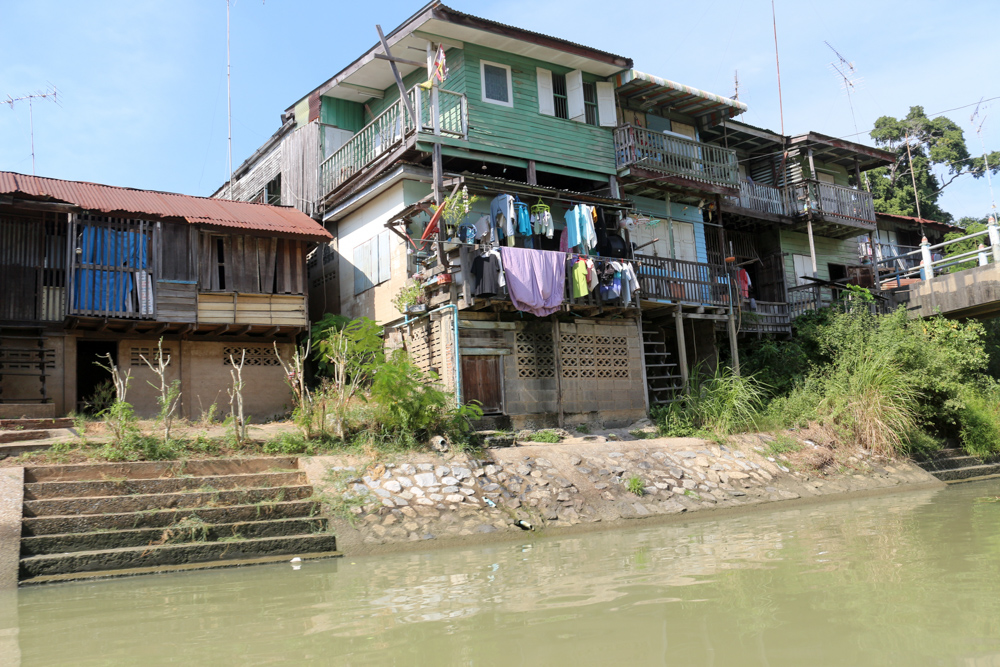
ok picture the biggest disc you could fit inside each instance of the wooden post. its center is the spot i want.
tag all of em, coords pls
(857, 172)
(532, 173)
(642, 361)
(438, 176)
(682, 358)
(613, 186)
(809, 225)
(399, 80)
(558, 364)
(733, 349)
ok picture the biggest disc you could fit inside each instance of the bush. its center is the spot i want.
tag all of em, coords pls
(980, 422)
(544, 436)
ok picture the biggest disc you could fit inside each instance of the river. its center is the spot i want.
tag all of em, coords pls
(908, 579)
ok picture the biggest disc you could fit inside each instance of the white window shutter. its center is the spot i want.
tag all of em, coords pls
(546, 104)
(362, 267)
(384, 255)
(606, 104)
(574, 95)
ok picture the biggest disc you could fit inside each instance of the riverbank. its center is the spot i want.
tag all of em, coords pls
(420, 499)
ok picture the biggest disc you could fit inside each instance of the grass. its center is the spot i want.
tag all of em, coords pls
(782, 444)
(644, 435)
(544, 436)
(340, 498)
(635, 485)
(583, 428)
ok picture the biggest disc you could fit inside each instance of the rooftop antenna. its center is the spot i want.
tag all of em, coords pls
(48, 94)
(986, 159)
(849, 78)
(229, 98)
(848, 74)
(736, 84)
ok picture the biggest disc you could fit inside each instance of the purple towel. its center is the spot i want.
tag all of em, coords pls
(536, 279)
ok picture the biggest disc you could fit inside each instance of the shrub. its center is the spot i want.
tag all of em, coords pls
(544, 436)
(980, 422)
(635, 485)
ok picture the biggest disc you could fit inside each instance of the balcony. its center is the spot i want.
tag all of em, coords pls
(675, 156)
(677, 280)
(835, 203)
(761, 198)
(392, 129)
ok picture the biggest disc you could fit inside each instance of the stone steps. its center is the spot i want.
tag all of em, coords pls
(955, 465)
(111, 519)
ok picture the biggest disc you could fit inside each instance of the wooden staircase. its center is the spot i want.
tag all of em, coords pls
(663, 377)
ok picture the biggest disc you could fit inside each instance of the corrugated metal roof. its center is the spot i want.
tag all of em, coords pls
(647, 90)
(933, 224)
(196, 210)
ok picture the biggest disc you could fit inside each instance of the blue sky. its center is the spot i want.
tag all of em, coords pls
(142, 85)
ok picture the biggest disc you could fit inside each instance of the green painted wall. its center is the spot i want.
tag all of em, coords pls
(342, 113)
(839, 172)
(828, 251)
(521, 130)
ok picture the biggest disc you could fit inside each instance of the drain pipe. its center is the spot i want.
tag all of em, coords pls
(458, 367)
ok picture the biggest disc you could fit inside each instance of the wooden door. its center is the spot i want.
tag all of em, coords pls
(481, 382)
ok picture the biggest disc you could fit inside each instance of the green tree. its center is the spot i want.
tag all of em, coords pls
(939, 156)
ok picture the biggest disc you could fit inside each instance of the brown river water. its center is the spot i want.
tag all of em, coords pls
(908, 579)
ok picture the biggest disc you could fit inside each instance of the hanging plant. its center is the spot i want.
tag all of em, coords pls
(411, 294)
(456, 207)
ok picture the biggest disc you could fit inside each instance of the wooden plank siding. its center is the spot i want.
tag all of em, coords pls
(275, 309)
(253, 265)
(521, 131)
(828, 251)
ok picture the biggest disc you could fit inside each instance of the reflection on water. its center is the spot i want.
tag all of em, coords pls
(910, 579)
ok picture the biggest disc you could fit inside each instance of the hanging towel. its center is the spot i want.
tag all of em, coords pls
(743, 280)
(592, 279)
(535, 279)
(573, 227)
(587, 234)
(564, 240)
(579, 279)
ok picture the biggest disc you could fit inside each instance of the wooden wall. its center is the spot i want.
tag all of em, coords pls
(252, 264)
(275, 309)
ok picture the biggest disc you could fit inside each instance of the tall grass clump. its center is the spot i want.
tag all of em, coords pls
(721, 404)
(980, 420)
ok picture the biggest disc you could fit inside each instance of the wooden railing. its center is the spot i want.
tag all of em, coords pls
(678, 280)
(676, 156)
(770, 317)
(761, 198)
(854, 207)
(391, 127)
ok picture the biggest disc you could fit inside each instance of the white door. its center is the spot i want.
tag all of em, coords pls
(684, 247)
(802, 265)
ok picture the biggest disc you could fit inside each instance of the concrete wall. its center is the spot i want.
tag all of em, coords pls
(975, 291)
(357, 228)
(601, 373)
(22, 386)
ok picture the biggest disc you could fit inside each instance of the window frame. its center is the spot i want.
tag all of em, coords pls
(482, 83)
(564, 97)
(590, 107)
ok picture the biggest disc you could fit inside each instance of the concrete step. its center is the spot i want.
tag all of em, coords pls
(159, 501)
(62, 422)
(950, 463)
(82, 523)
(19, 448)
(185, 532)
(967, 472)
(183, 567)
(173, 554)
(93, 488)
(22, 436)
(152, 469)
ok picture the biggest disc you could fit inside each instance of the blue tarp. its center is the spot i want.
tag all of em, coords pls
(96, 289)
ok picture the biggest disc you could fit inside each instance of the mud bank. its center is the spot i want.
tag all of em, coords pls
(424, 499)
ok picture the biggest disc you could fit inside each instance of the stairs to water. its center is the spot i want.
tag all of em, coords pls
(954, 465)
(93, 520)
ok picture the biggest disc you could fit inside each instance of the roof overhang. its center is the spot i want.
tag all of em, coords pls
(368, 76)
(843, 152)
(916, 223)
(742, 137)
(648, 91)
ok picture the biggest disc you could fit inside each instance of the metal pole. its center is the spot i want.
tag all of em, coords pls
(229, 96)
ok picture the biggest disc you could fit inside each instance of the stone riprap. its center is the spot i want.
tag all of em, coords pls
(429, 496)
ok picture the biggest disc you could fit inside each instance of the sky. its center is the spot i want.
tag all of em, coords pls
(142, 85)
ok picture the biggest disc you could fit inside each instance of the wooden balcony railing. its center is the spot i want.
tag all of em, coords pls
(770, 317)
(852, 206)
(391, 127)
(762, 198)
(675, 156)
(678, 280)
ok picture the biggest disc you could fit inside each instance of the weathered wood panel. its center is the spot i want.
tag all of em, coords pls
(273, 309)
(481, 382)
(176, 301)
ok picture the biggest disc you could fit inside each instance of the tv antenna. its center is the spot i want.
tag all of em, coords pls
(48, 94)
(849, 78)
(736, 84)
(986, 159)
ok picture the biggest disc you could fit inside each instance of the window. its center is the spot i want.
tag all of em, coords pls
(559, 100)
(590, 103)
(496, 84)
(372, 262)
(569, 96)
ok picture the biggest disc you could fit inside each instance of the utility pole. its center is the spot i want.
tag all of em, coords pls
(53, 95)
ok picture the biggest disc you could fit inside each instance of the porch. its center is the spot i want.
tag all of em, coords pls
(441, 113)
(675, 156)
(847, 209)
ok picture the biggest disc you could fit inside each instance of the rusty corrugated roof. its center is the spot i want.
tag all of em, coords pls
(198, 210)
